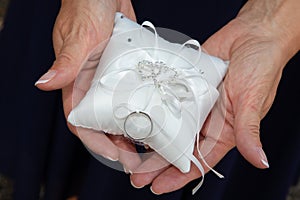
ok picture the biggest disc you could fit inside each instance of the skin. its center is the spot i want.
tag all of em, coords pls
(80, 34)
(258, 42)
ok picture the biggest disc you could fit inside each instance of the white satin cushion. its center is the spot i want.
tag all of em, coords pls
(151, 90)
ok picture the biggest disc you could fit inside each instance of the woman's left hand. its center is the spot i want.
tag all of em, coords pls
(258, 45)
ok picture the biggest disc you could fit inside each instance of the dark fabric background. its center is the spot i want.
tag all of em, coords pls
(37, 149)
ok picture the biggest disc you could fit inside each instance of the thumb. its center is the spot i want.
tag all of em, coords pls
(221, 42)
(67, 65)
(247, 123)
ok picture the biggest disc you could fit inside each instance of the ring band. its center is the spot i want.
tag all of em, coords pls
(145, 131)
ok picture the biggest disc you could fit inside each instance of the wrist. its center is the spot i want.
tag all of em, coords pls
(276, 19)
(287, 18)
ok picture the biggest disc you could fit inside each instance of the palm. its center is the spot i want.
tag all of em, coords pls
(79, 37)
(246, 95)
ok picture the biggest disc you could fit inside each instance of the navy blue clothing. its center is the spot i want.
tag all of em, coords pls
(37, 149)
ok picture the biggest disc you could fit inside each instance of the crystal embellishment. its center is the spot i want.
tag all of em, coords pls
(158, 72)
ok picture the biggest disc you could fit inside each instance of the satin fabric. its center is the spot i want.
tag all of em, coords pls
(37, 149)
(176, 106)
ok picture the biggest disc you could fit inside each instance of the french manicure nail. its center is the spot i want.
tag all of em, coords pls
(153, 191)
(111, 159)
(125, 170)
(137, 187)
(263, 157)
(46, 77)
(265, 163)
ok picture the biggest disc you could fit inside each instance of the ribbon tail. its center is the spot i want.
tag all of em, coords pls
(199, 166)
(203, 160)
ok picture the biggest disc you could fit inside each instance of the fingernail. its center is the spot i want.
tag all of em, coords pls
(263, 157)
(111, 159)
(137, 187)
(46, 77)
(125, 170)
(153, 191)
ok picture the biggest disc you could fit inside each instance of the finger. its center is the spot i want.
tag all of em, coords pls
(127, 9)
(75, 43)
(247, 124)
(170, 180)
(73, 93)
(98, 143)
(173, 179)
(148, 170)
(66, 67)
(127, 153)
(217, 46)
(218, 140)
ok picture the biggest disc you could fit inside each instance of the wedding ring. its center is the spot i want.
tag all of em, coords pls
(138, 125)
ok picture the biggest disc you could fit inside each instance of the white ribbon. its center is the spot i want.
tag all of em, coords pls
(173, 92)
(168, 72)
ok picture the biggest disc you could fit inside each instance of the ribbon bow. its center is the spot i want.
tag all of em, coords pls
(174, 86)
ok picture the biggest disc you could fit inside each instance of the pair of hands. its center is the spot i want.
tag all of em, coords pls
(257, 48)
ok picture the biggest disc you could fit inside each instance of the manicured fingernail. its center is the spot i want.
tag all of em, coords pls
(153, 191)
(46, 77)
(111, 159)
(137, 187)
(125, 170)
(263, 157)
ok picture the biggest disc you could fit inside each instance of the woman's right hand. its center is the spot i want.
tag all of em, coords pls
(80, 33)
